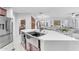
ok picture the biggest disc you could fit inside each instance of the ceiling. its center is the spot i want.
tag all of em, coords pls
(54, 11)
(30, 9)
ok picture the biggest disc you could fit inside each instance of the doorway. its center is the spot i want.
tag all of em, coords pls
(22, 25)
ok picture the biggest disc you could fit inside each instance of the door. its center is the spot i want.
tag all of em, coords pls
(32, 22)
(22, 25)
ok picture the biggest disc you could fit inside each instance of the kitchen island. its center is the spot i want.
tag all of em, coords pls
(51, 41)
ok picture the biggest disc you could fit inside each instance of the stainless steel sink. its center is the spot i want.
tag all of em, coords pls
(36, 34)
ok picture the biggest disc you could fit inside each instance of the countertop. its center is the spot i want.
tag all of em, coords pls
(29, 30)
(51, 35)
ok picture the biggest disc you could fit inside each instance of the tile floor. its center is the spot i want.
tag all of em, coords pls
(14, 46)
(17, 44)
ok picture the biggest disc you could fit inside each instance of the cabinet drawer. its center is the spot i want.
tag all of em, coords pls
(34, 41)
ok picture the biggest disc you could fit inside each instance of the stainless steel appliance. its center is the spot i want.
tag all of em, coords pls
(5, 31)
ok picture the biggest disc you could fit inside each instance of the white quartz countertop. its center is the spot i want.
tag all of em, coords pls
(52, 35)
(29, 30)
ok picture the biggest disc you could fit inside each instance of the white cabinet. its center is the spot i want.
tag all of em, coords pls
(34, 48)
(32, 44)
(31, 47)
(27, 46)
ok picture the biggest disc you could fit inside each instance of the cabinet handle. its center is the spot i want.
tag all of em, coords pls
(39, 45)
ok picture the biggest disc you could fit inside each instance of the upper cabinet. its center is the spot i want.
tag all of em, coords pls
(3, 11)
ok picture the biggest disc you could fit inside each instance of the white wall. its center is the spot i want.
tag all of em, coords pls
(19, 17)
(27, 18)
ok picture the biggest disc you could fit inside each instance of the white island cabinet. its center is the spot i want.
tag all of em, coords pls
(52, 41)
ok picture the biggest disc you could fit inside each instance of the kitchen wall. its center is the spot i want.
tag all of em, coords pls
(27, 17)
(20, 16)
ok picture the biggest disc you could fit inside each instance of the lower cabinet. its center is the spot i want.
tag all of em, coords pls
(30, 47)
(5, 40)
(27, 46)
(33, 48)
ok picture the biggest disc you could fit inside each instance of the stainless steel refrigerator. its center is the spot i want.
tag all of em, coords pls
(6, 31)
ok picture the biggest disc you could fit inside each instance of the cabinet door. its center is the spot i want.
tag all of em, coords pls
(3, 11)
(33, 48)
(28, 46)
